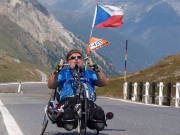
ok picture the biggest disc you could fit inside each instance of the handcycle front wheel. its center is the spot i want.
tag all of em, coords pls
(82, 121)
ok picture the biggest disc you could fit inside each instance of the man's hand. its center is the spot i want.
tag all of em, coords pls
(101, 78)
(59, 65)
(93, 65)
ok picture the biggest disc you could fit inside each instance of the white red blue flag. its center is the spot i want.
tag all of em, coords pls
(108, 16)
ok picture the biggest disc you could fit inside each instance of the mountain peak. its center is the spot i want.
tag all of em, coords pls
(162, 14)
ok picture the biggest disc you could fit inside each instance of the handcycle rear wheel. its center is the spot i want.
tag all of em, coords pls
(44, 124)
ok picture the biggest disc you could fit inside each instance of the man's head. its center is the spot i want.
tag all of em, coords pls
(74, 57)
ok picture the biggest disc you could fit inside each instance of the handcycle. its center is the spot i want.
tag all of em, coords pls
(81, 108)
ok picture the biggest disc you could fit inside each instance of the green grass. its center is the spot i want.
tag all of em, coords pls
(166, 71)
(11, 71)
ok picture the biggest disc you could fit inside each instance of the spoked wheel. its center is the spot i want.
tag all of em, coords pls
(82, 122)
(44, 124)
(84, 118)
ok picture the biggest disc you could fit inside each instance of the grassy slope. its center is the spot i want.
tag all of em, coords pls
(11, 71)
(166, 71)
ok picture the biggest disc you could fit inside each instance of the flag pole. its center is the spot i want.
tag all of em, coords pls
(91, 32)
(87, 58)
(94, 18)
(93, 22)
(126, 52)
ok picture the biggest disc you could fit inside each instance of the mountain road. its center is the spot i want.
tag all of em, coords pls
(130, 118)
(44, 76)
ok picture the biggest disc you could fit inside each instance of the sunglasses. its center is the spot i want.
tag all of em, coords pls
(75, 57)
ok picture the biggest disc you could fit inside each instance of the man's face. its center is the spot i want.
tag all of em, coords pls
(74, 59)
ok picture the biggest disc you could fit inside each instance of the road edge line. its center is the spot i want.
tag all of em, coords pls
(10, 123)
(135, 102)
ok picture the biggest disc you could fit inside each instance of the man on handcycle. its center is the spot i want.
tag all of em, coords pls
(61, 78)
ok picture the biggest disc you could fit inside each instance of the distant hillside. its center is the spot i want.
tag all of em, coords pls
(14, 70)
(166, 71)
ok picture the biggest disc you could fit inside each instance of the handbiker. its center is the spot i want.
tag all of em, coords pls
(61, 78)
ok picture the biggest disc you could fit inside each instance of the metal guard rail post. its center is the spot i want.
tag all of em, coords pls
(177, 94)
(147, 92)
(135, 91)
(160, 93)
(125, 90)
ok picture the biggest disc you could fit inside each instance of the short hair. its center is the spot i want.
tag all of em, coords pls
(73, 51)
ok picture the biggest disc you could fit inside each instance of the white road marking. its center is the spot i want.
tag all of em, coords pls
(135, 102)
(10, 123)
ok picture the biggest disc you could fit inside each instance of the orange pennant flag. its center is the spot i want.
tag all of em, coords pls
(96, 43)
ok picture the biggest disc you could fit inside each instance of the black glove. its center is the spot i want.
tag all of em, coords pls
(57, 67)
(95, 66)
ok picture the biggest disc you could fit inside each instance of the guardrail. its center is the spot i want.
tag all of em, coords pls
(19, 84)
(128, 88)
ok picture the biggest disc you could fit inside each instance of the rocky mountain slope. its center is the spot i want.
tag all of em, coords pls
(29, 32)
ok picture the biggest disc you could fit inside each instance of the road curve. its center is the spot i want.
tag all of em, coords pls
(44, 76)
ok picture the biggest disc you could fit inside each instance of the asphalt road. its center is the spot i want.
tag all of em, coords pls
(129, 118)
(44, 77)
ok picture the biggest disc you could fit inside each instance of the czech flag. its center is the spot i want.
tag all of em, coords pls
(96, 43)
(108, 16)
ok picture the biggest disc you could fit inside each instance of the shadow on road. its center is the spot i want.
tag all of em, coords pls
(70, 133)
(114, 129)
(87, 133)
